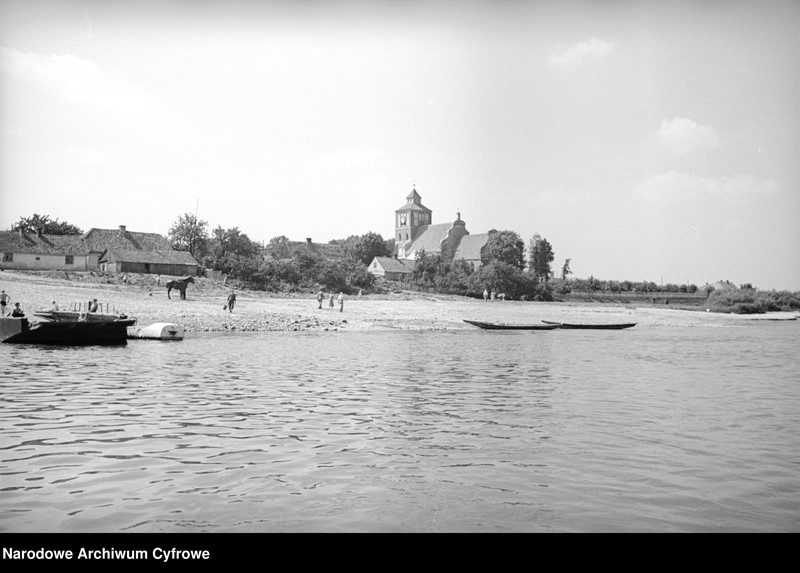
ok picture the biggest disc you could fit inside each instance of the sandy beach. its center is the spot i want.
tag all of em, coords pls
(202, 311)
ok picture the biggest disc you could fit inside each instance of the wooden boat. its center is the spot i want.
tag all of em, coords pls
(75, 333)
(157, 331)
(75, 316)
(501, 326)
(615, 326)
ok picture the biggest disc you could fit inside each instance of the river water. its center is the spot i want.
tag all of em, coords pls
(659, 429)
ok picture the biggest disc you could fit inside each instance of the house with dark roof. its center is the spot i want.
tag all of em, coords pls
(113, 250)
(392, 269)
(174, 263)
(37, 251)
(415, 232)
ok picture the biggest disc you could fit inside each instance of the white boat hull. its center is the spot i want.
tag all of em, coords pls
(157, 331)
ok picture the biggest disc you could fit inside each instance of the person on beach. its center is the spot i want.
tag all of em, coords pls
(331, 301)
(485, 295)
(360, 292)
(93, 305)
(17, 312)
(320, 297)
(341, 302)
(54, 306)
(231, 301)
(4, 300)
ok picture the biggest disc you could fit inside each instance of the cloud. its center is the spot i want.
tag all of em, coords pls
(76, 80)
(678, 186)
(592, 49)
(681, 135)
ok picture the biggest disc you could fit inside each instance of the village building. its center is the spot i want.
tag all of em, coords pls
(36, 251)
(415, 233)
(112, 250)
(392, 269)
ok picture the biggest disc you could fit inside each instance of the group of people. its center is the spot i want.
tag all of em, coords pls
(321, 297)
(16, 312)
(492, 295)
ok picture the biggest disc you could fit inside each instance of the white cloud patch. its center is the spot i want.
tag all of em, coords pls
(592, 49)
(76, 80)
(681, 135)
(676, 186)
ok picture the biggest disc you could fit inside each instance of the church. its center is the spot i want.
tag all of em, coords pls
(415, 232)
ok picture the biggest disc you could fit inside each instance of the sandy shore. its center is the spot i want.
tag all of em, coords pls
(203, 310)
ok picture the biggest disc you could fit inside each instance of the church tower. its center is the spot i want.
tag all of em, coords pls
(410, 220)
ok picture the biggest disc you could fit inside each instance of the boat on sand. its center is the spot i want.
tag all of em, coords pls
(568, 326)
(502, 326)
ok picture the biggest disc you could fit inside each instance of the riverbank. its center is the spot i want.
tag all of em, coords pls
(146, 300)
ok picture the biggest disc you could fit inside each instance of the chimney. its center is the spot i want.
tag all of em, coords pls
(38, 231)
(21, 231)
(122, 230)
(308, 241)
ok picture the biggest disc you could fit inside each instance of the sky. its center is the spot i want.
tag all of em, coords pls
(646, 141)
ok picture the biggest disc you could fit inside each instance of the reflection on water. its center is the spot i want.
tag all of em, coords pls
(664, 429)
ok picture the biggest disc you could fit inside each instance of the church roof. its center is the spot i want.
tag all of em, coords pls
(430, 238)
(470, 247)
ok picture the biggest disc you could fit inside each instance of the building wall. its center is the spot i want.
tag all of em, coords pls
(41, 262)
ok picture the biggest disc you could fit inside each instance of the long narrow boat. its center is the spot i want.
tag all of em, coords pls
(614, 326)
(501, 326)
(75, 333)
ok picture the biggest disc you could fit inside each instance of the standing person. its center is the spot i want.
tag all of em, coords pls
(320, 297)
(231, 301)
(341, 301)
(331, 302)
(360, 292)
(485, 295)
(4, 300)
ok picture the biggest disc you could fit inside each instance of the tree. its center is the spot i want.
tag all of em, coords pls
(46, 225)
(565, 270)
(232, 252)
(507, 247)
(541, 255)
(367, 247)
(189, 234)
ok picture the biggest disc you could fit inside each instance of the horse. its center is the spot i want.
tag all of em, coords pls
(181, 285)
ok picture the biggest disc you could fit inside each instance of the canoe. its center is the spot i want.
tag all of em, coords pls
(76, 333)
(501, 326)
(157, 331)
(615, 326)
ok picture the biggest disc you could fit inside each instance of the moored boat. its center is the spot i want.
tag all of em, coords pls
(568, 326)
(75, 316)
(157, 331)
(75, 333)
(502, 326)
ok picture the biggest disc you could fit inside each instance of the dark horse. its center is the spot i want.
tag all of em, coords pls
(180, 285)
